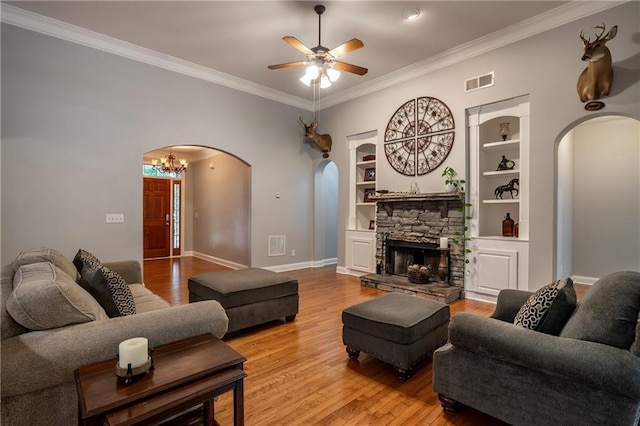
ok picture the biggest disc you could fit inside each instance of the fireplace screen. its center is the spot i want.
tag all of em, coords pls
(402, 254)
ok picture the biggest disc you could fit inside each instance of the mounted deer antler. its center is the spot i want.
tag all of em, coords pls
(595, 81)
(323, 142)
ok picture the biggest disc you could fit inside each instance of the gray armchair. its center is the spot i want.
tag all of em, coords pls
(588, 375)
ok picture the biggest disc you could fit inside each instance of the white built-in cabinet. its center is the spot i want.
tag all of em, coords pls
(360, 233)
(497, 262)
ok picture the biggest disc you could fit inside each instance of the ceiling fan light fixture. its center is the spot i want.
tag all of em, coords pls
(333, 74)
(324, 82)
(306, 80)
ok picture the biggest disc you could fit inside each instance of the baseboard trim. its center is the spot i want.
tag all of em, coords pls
(223, 262)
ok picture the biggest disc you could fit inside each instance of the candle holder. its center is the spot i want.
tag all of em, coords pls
(129, 374)
(443, 268)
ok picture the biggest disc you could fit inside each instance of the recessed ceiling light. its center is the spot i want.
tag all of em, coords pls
(411, 14)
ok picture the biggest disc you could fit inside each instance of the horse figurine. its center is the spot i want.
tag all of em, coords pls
(510, 187)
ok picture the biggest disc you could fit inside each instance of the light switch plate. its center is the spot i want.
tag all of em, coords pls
(115, 218)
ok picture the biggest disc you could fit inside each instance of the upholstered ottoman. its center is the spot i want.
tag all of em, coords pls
(249, 296)
(396, 328)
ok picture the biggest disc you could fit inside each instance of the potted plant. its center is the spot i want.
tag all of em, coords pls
(457, 185)
(452, 183)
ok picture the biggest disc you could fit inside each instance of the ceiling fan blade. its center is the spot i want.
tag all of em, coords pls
(345, 48)
(286, 65)
(350, 68)
(298, 45)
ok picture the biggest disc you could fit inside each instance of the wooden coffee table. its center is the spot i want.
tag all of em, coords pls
(187, 373)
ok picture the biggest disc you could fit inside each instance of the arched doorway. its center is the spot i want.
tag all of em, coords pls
(598, 198)
(326, 214)
(214, 199)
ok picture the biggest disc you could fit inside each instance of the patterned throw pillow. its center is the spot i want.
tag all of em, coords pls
(106, 286)
(548, 309)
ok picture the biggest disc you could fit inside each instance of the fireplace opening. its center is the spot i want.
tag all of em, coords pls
(402, 254)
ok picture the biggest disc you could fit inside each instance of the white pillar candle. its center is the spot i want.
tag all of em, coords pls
(133, 351)
(444, 242)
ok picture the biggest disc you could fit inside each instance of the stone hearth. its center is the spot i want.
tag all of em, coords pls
(419, 218)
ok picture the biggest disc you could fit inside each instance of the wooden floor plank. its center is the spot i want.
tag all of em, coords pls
(299, 372)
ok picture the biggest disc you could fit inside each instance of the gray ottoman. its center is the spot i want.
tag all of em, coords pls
(249, 296)
(396, 328)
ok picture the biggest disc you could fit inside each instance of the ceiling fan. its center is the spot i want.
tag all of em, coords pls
(322, 62)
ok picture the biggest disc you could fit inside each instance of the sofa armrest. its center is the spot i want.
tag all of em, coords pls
(509, 303)
(130, 270)
(40, 359)
(602, 366)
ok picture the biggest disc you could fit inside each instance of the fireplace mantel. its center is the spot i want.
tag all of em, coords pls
(409, 196)
(386, 200)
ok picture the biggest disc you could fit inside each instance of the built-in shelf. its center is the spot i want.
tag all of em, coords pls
(366, 183)
(366, 163)
(366, 204)
(502, 173)
(501, 145)
(509, 201)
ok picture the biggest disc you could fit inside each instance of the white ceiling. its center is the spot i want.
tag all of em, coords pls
(241, 38)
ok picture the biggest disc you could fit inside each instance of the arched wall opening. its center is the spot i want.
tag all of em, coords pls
(215, 204)
(325, 251)
(598, 198)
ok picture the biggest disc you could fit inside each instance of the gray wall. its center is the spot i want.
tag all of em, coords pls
(75, 125)
(221, 199)
(606, 197)
(546, 67)
(326, 213)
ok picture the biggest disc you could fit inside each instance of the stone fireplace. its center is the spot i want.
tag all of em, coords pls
(408, 231)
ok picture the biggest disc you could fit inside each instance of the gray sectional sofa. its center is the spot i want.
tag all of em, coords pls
(38, 384)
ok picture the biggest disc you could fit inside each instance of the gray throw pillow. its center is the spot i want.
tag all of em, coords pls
(608, 313)
(44, 254)
(45, 297)
(548, 309)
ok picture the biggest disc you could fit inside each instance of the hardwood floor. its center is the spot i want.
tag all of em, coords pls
(299, 372)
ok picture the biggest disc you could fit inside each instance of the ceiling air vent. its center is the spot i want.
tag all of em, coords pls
(479, 82)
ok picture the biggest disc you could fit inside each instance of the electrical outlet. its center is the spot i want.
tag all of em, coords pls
(293, 252)
(115, 218)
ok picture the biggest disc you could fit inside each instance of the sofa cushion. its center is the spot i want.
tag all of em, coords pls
(548, 309)
(145, 300)
(109, 289)
(45, 297)
(608, 313)
(44, 254)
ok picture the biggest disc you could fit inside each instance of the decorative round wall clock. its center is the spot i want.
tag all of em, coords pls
(419, 136)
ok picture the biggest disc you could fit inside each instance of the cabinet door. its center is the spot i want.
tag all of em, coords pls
(361, 253)
(495, 270)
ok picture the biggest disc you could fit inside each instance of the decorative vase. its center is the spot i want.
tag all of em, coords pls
(508, 226)
(504, 131)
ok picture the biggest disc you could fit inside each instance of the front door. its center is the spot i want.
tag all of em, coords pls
(157, 217)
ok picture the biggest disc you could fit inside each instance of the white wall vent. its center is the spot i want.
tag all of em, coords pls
(276, 245)
(479, 82)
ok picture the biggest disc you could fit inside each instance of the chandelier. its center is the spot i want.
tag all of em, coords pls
(168, 164)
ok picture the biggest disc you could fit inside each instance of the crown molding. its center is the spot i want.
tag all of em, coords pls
(561, 15)
(551, 19)
(62, 30)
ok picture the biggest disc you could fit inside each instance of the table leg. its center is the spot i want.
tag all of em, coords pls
(238, 403)
(208, 412)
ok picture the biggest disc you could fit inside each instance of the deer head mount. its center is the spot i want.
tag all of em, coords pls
(322, 142)
(595, 81)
